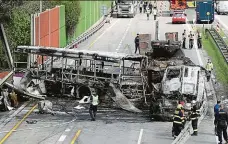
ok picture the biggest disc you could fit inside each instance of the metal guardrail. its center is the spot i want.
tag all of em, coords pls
(220, 43)
(186, 132)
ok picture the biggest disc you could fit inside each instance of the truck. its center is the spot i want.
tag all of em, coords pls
(177, 5)
(126, 8)
(221, 7)
(205, 11)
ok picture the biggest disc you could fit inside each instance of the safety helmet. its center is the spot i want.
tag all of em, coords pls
(179, 106)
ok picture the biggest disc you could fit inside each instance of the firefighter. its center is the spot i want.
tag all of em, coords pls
(216, 112)
(137, 43)
(155, 13)
(222, 119)
(177, 121)
(93, 106)
(194, 114)
(209, 68)
(184, 39)
(191, 40)
(199, 38)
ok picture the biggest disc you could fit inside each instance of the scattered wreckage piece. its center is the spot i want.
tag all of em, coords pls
(122, 101)
(179, 83)
(45, 107)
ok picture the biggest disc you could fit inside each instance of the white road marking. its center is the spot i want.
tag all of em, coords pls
(62, 138)
(102, 34)
(121, 41)
(140, 136)
(196, 48)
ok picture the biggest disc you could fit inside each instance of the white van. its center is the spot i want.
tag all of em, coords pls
(222, 7)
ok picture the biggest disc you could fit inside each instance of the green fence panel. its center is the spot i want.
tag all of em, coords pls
(62, 37)
(62, 16)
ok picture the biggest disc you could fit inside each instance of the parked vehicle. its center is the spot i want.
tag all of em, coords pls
(177, 5)
(221, 7)
(179, 17)
(205, 11)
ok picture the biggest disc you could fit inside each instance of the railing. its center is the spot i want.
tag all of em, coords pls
(219, 41)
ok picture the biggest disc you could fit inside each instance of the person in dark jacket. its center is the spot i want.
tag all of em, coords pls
(144, 7)
(137, 43)
(216, 111)
(150, 7)
(194, 114)
(222, 120)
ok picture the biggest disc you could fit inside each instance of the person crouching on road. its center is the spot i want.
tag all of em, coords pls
(177, 121)
(209, 68)
(216, 112)
(194, 114)
(222, 120)
(93, 107)
(137, 43)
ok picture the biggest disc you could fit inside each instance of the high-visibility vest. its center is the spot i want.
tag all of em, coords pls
(177, 118)
(209, 66)
(95, 100)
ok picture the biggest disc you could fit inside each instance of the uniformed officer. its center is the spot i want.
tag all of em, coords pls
(178, 120)
(194, 114)
(222, 120)
(184, 39)
(148, 13)
(209, 68)
(93, 106)
(144, 7)
(150, 7)
(137, 43)
(155, 13)
(216, 112)
(191, 40)
(199, 38)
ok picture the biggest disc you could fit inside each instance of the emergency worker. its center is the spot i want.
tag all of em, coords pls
(137, 43)
(194, 114)
(222, 119)
(184, 39)
(209, 68)
(13, 97)
(93, 106)
(216, 112)
(199, 38)
(177, 121)
(191, 40)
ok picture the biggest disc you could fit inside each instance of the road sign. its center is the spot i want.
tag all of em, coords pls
(208, 13)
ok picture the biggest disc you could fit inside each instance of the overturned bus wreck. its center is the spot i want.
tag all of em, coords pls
(179, 83)
(79, 73)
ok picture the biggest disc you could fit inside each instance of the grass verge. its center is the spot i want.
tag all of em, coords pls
(220, 65)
